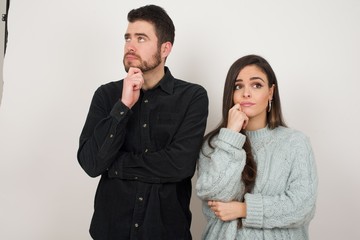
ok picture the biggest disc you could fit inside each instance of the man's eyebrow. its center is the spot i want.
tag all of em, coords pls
(136, 34)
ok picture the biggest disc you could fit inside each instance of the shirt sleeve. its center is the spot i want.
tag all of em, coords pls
(219, 171)
(294, 207)
(102, 135)
(177, 160)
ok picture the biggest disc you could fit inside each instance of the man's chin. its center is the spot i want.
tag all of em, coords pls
(128, 66)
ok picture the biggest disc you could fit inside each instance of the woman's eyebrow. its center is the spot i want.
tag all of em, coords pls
(251, 79)
(257, 78)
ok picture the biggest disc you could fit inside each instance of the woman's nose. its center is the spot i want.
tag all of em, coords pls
(247, 92)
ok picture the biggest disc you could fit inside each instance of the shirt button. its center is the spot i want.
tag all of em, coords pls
(146, 101)
(135, 178)
(111, 135)
(121, 113)
(116, 173)
(146, 150)
(136, 225)
(144, 125)
(140, 199)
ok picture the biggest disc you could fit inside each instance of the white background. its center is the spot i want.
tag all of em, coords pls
(59, 52)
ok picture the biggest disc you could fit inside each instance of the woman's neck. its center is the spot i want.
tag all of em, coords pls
(256, 123)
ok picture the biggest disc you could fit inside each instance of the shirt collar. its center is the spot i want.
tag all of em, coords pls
(167, 82)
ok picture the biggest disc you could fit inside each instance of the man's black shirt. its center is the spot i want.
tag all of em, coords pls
(146, 157)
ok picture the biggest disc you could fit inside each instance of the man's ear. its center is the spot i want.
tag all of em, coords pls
(166, 49)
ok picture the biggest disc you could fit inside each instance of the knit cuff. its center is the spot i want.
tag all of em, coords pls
(231, 137)
(254, 211)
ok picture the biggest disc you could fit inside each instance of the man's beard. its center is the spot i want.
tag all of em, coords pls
(145, 66)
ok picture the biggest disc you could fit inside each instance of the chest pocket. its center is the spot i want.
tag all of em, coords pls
(164, 128)
(167, 118)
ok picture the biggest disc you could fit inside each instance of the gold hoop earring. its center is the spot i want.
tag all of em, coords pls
(269, 106)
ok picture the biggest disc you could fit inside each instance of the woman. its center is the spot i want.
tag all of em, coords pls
(256, 177)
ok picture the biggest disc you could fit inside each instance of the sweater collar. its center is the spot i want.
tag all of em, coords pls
(257, 135)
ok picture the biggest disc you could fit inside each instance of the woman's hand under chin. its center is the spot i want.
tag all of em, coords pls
(237, 119)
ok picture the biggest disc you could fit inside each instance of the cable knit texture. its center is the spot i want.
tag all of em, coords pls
(283, 200)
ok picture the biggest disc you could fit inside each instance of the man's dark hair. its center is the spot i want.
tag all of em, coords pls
(164, 26)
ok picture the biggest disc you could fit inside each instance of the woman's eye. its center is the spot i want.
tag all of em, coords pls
(237, 87)
(257, 85)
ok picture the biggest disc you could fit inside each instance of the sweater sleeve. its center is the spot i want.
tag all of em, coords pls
(296, 205)
(219, 169)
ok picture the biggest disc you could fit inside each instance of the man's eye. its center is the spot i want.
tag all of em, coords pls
(141, 39)
(127, 39)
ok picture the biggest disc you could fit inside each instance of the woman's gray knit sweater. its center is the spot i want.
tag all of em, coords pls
(283, 200)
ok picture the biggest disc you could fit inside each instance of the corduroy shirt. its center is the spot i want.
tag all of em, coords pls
(146, 157)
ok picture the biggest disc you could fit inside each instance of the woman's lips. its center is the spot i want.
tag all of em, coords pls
(247, 104)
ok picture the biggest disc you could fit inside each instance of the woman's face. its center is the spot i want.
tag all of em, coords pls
(252, 92)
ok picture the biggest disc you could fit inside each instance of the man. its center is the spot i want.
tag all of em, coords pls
(143, 135)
